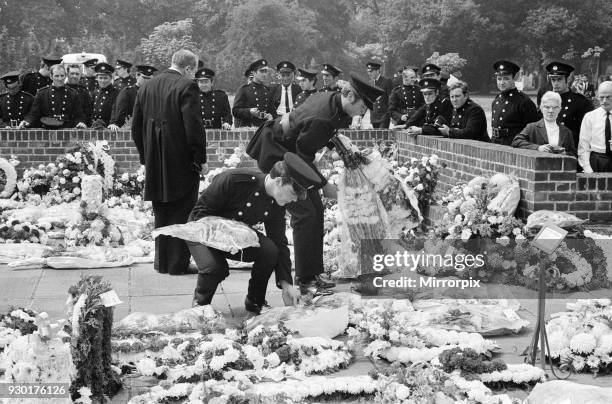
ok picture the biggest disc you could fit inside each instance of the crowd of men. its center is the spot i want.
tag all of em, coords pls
(58, 96)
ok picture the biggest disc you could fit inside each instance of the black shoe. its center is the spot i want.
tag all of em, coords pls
(255, 308)
(192, 269)
(322, 283)
(311, 288)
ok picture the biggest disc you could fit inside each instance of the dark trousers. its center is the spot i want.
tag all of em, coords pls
(307, 224)
(600, 162)
(213, 268)
(172, 254)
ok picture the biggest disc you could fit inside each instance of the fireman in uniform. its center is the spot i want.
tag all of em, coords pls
(573, 105)
(106, 94)
(432, 71)
(379, 116)
(214, 104)
(330, 75)
(124, 79)
(127, 97)
(14, 104)
(253, 103)
(307, 79)
(436, 112)
(407, 98)
(33, 81)
(89, 76)
(512, 110)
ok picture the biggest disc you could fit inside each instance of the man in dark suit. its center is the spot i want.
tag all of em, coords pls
(56, 106)
(285, 92)
(547, 135)
(214, 104)
(14, 104)
(307, 79)
(33, 81)
(468, 120)
(124, 105)
(305, 131)
(253, 102)
(436, 111)
(169, 134)
(379, 116)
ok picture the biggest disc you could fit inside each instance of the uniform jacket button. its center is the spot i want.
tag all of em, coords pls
(248, 204)
(265, 213)
(256, 193)
(240, 213)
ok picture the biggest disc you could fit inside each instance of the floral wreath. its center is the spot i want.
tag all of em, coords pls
(11, 178)
(583, 273)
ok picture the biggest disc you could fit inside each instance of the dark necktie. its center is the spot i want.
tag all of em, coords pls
(608, 133)
(286, 99)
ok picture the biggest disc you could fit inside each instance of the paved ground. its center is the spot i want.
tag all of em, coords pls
(142, 289)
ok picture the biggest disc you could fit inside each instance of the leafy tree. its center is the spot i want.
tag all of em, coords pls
(167, 39)
(449, 62)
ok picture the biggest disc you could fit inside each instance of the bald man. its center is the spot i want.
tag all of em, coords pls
(595, 143)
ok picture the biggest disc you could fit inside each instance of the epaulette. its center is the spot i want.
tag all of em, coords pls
(43, 88)
(25, 92)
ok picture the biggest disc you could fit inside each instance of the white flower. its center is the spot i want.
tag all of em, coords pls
(76, 190)
(125, 177)
(433, 160)
(60, 165)
(520, 237)
(140, 178)
(504, 240)
(424, 160)
(458, 219)
(466, 234)
(66, 172)
(62, 180)
(76, 179)
(394, 336)
(419, 187)
(273, 360)
(413, 160)
(578, 362)
(146, 366)
(402, 392)
(583, 343)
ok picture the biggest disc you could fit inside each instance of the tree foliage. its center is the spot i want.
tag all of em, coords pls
(230, 34)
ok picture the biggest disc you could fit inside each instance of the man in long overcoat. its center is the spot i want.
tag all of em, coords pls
(170, 137)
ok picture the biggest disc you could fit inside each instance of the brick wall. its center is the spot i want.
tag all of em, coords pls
(547, 181)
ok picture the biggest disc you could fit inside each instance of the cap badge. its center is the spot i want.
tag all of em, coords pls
(555, 67)
(501, 66)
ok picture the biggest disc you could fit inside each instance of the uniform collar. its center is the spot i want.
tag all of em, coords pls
(508, 92)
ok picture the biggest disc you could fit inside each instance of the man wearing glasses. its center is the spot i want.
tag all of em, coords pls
(127, 97)
(253, 104)
(573, 105)
(595, 145)
(250, 196)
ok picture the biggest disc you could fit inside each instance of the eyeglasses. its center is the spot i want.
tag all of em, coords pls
(550, 107)
(604, 97)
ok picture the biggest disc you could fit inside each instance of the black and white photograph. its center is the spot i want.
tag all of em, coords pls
(305, 201)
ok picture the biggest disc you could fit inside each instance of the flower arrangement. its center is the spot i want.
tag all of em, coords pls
(581, 338)
(91, 324)
(129, 184)
(8, 176)
(15, 231)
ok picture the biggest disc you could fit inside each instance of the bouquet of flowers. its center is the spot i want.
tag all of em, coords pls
(129, 184)
(8, 176)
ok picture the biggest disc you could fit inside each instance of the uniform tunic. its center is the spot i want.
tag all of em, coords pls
(122, 82)
(91, 84)
(252, 95)
(573, 108)
(512, 110)
(124, 105)
(240, 195)
(469, 122)
(328, 89)
(33, 81)
(309, 128)
(215, 109)
(379, 116)
(86, 101)
(15, 107)
(426, 116)
(61, 102)
(104, 103)
(303, 96)
(405, 100)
